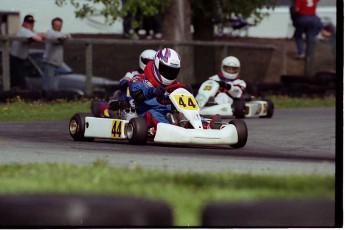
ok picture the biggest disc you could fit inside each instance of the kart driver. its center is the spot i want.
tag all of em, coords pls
(121, 99)
(229, 80)
(148, 89)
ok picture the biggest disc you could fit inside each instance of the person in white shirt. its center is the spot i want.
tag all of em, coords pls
(20, 50)
(53, 55)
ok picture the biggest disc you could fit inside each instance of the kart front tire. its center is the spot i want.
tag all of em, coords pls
(77, 127)
(239, 108)
(242, 133)
(270, 109)
(137, 131)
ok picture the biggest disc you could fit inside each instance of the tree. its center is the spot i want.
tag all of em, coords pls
(199, 13)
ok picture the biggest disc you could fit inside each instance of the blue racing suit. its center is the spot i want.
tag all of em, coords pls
(149, 106)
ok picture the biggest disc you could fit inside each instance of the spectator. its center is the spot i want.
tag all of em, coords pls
(152, 23)
(20, 50)
(53, 55)
(127, 23)
(306, 22)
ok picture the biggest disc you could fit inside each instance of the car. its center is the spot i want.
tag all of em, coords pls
(188, 128)
(244, 107)
(69, 81)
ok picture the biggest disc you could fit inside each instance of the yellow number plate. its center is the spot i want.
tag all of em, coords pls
(186, 102)
(117, 129)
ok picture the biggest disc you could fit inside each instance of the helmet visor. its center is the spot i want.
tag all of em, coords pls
(168, 72)
(231, 69)
(145, 60)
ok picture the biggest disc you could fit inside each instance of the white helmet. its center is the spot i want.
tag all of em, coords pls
(167, 64)
(227, 62)
(145, 57)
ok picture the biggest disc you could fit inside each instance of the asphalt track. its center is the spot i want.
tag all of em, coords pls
(294, 141)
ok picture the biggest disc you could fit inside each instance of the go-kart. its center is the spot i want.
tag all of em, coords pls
(189, 127)
(246, 106)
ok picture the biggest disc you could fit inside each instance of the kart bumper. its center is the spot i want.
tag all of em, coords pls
(167, 133)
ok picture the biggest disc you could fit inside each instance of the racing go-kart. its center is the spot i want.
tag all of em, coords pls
(246, 106)
(188, 128)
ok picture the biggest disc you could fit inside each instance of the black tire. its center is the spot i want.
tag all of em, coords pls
(287, 213)
(239, 108)
(137, 131)
(39, 210)
(95, 108)
(242, 133)
(77, 127)
(270, 109)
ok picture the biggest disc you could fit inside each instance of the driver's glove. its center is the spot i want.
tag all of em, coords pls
(123, 85)
(159, 91)
(224, 85)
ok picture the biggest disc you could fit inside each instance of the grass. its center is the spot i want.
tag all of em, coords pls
(19, 110)
(185, 193)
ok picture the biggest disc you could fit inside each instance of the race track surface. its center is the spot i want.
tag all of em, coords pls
(294, 141)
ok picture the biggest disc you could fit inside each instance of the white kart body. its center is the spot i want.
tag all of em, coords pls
(184, 101)
(222, 105)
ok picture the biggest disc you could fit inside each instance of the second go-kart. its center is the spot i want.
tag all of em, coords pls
(188, 128)
(207, 99)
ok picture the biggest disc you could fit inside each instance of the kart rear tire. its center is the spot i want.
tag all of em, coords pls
(270, 109)
(77, 127)
(137, 131)
(242, 133)
(239, 108)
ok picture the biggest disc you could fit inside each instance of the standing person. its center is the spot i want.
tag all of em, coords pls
(53, 55)
(20, 51)
(306, 22)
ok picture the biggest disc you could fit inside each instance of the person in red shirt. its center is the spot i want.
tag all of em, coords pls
(306, 22)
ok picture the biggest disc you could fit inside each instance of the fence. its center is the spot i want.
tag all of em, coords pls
(112, 58)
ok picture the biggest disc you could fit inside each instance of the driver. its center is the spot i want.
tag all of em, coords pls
(148, 89)
(121, 98)
(229, 80)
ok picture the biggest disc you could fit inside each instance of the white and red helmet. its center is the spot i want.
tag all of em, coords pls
(145, 57)
(167, 65)
(233, 62)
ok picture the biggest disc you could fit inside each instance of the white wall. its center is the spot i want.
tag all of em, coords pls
(45, 10)
(277, 25)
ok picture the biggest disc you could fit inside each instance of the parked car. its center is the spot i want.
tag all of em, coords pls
(69, 81)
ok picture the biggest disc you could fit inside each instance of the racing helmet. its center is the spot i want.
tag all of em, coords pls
(230, 67)
(145, 57)
(167, 64)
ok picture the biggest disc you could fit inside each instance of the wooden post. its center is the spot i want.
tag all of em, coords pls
(88, 59)
(6, 65)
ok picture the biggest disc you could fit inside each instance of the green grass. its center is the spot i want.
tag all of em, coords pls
(185, 193)
(19, 110)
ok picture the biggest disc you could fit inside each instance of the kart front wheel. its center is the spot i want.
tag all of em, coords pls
(270, 109)
(242, 133)
(137, 131)
(77, 127)
(239, 108)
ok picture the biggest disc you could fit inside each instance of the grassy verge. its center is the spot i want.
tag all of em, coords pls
(19, 110)
(186, 193)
